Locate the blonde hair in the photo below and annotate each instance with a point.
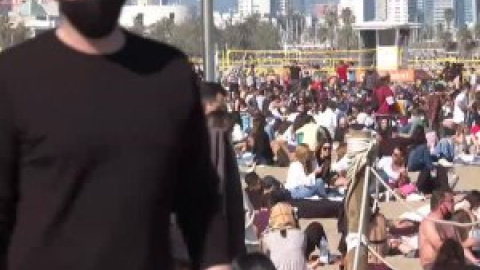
(282, 217)
(304, 156)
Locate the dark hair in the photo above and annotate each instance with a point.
(437, 197)
(269, 182)
(418, 136)
(450, 252)
(278, 196)
(473, 198)
(253, 261)
(251, 179)
(301, 120)
(401, 149)
(258, 126)
(221, 120)
(462, 216)
(210, 90)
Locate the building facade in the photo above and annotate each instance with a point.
(381, 10)
(397, 11)
(439, 7)
(154, 13)
(283, 7)
(250, 7)
(363, 10)
(466, 13)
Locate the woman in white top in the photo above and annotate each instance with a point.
(302, 179)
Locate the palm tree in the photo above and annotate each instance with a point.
(138, 25)
(331, 19)
(347, 33)
(162, 30)
(449, 15)
(347, 16)
(319, 33)
(447, 40)
(464, 39)
(439, 30)
(476, 31)
(20, 33)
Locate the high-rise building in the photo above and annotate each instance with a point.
(283, 7)
(460, 8)
(413, 14)
(250, 7)
(369, 9)
(398, 11)
(439, 7)
(316, 7)
(381, 11)
(298, 6)
(465, 12)
(428, 6)
(363, 10)
(421, 11)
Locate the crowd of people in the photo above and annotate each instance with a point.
(301, 120)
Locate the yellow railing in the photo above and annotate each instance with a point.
(275, 59)
(265, 60)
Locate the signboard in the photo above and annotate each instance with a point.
(388, 58)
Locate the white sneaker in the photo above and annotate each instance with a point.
(453, 181)
(445, 163)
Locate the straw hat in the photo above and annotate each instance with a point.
(282, 217)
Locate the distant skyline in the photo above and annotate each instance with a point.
(227, 5)
(219, 5)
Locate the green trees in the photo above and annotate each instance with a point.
(11, 34)
(253, 34)
(347, 38)
(464, 40)
(331, 21)
(449, 15)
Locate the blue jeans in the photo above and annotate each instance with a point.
(270, 132)
(419, 159)
(302, 192)
(444, 149)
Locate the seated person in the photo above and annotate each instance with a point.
(340, 167)
(259, 142)
(255, 191)
(467, 235)
(433, 235)
(414, 122)
(302, 176)
(284, 242)
(323, 160)
(395, 172)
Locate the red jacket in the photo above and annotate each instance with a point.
(381, 94)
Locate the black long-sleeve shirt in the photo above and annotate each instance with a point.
(95, 152)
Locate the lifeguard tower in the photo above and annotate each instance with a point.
(388, 44)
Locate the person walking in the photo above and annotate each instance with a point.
(102, 137)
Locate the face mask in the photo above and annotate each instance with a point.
(92, 18)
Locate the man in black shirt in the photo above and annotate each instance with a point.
(295, 75)
(102, 136)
